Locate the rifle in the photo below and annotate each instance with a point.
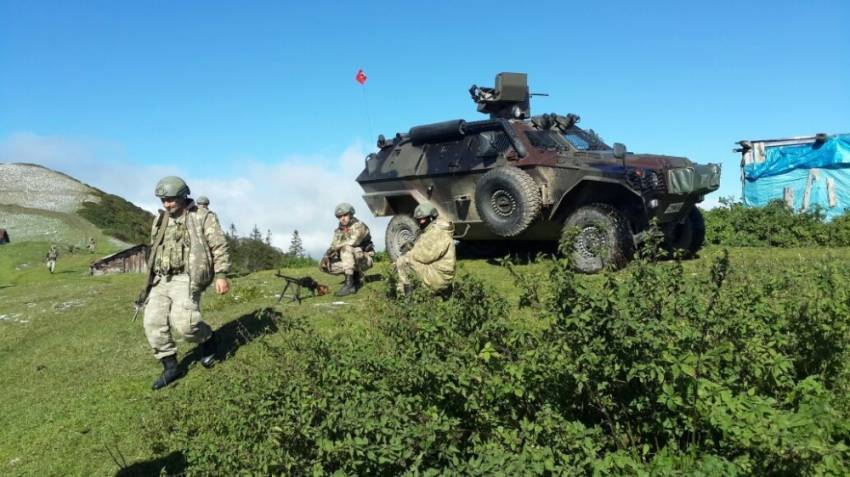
(309, 283)
(162, 222)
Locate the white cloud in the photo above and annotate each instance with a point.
(294, 193)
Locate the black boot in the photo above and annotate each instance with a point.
(348, 288)
(208, 350)
(170, 373)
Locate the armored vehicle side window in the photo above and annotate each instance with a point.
(492, 143)
(585, 140)
(547, 140)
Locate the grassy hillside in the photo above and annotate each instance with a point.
(77, 371)
(40, 204)
(118, 218)
(27, 225)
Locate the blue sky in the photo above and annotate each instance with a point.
(225, 92)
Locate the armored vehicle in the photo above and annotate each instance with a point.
(518, 177)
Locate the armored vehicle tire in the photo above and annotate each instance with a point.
(507, 200)
(402, 229)
(599, 236)
(687, 237)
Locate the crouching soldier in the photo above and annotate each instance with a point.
(432, 257)
(188, 253)
(350, 252)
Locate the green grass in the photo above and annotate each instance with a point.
(77, 371)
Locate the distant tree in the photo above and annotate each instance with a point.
(233, 231)
(296, 248)
(268, 237)
(256, 234)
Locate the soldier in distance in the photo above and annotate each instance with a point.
(351, 250)
(188, 253)
(203, 202)
(432, 257)
(52, 255)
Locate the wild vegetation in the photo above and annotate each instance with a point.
(775, 225)
(735, 363)
(651, 370)
(254, 252)
(118, 218)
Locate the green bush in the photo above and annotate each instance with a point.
(733, 224)
(646, 371)
(118, 218)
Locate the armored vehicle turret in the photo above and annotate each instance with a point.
(517, 177)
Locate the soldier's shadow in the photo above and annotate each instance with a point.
(236, 333)
(171, 464)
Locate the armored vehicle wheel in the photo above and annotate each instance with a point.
(687, 237)
(507, 200)
(401, 230)
(600, 236)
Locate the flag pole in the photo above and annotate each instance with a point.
(361, 78)
(368, 116)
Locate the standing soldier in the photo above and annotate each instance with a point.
(351, 250)
(432, 257)
(52, 255)
(92, 245)
(188, 253)
(203, 202)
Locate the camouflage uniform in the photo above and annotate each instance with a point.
(432, 258)
(52, 255)
(351, 249)
(193, 251)
(92, 245)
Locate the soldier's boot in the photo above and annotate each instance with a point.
(170, 372)
(358, 280)
(208, 350)
(349, 287)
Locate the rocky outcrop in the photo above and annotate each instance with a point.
(37, 187)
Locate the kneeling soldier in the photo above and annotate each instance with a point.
(350, 252)
(432, 257)
(188, 253)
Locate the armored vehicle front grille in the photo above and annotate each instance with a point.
(646, 181)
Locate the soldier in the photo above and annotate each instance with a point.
(432, 257)
(350, 252)
(92, 245)
(52, 255)
(203, 202)
(188, 253)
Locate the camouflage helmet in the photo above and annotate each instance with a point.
(171, 186)
(344, 208)
(202, 200)
(425, 209)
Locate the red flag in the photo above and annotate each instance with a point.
(361, 77)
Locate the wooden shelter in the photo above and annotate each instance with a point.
(129, 260)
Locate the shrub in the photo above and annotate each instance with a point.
(644, 371)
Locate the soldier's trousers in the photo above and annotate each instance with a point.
(51, 264)
(407, 268)
(351, 259)
(173, 308)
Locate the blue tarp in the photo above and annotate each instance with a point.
(801, 167)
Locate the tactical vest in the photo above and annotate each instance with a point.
(198, 263)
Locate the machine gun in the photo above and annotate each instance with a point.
(508, 100)
(316, 288)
